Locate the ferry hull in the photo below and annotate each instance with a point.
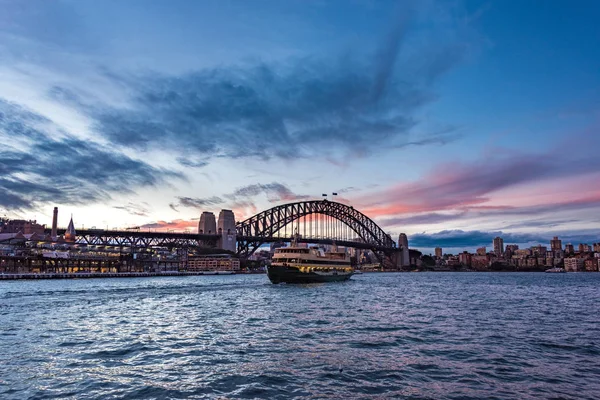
(278, 274)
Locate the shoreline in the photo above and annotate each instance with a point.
(98, 275)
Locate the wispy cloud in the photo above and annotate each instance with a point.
(176, 225)
(134, 209)
(48, 165)
(274, 191)
(526, 214)
(451, 190)
(186, 162)
(194, 202)
(286, 109)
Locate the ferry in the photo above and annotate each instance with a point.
(555, 270)
(296, 264)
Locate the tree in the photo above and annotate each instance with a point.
(428, 261)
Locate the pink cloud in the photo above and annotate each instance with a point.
(494, 183)
(176, 225)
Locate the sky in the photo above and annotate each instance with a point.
(451, 121)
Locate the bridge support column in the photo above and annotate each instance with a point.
(227, 232)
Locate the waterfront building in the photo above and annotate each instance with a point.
(207, 223)
(480, 261)
(453, 261)
(498, 246)
(539, 250)
(591, 264)
(532, 262)
(214, 262)
(584, 248)
(481, 251)
(522, 252)
(403, 243)
(574, 264)
(465, 258)
(26, 227)
(558, 254)
(556, 244)
(438, 252)
(569, 249)
(512, 247)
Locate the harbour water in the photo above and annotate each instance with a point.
(412, 335)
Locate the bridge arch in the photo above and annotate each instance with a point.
(259, 229)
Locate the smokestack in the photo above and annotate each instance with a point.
(54, 222)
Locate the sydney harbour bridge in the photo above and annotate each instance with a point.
(314, 221)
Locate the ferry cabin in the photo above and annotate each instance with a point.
(311, 259)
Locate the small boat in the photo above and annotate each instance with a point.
(555, 270)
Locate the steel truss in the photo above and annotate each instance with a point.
(140, 239)
(263, 227)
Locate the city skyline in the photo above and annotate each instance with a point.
(454, 124)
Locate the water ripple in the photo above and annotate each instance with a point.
(411, 336)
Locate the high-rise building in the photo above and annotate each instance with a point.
(438, 252)
(207, 223)
(226, 228)
(597, 247)
(498, 246)
(569, 249)
(584, 248)
(539, 250)
(555, 244)
(403, 243)
(512, 247)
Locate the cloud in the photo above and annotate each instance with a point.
(295, 107)
(274, 191)
(48, 165)
(472, 239)
(134, 209)
(194, 202)
(191, 163)
(477, 186)
(176, 225)
(423, 219)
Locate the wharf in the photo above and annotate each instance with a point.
(87, 275)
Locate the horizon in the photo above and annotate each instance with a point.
(452, 123)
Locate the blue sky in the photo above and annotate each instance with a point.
(452, 121)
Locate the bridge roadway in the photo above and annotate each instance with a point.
(130, 238)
